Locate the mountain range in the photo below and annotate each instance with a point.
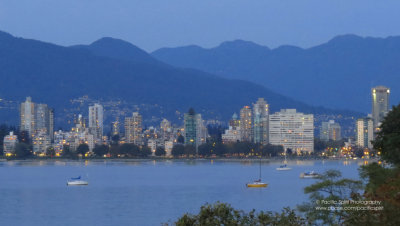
(338, 74)
(112, 69)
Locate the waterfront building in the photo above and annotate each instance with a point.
(293, 130)
(380, 104)
(231, 135)
(330, 131)
(40, 142)
(9, 143)
(27, 116)
(168, 145)
(260, 121)
(246, 127)
(133, 129)
(365, 132)
(96, 121)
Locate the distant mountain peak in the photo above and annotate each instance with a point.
(346, 38)
(112, 42)
(240, 44)
(119, 49)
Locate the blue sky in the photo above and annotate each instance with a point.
(151, 24)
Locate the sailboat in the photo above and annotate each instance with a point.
(77, 181)
(283, 167)
(257, 183)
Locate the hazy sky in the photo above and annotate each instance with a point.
(151, 24)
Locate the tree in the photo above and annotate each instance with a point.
(67, 153)
(50, 152)
(146, 151)
(82, 149)
(205, 149)
(130, 150)
(178, 150)
(181, 139)
(388, 138)
(330, 188)
(22, 150)
(101, 150)
(189, 150)
(225, 214)
(160, 151)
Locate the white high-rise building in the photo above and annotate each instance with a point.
(292, 129)
(246, 124)
(27, 116)
(380, 104)
(133, 129)
(96, 121)
(365, 132)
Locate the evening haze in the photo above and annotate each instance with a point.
(152, 24)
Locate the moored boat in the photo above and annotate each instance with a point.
(310, 174)
(77, 181)
(283, 167)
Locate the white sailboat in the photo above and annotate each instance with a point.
(76, 181)
(284, 167)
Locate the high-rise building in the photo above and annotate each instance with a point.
(96, 121)
(195, 133)
(365, 132)
(246, 126)
(44, 118)
(133, 129)
(27, 116)
(292, 129)
(260, 121)
(190, 127)
(36, 118)
(380, 104)
(166, 129)
(9, 143)
(330, 131)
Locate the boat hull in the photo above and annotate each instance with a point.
(283, 169)
(305, 176)
(77, 183)
(257, 185)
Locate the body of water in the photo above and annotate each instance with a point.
(146, 192)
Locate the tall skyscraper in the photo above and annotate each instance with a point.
(27, 116)
(380, 104)
(133, 129)
(292, 129)
(96, 121)
(36, 118)
(330, 131)
(195, 132)
(246, 125)
(166, 129)
(260, 121)
(44, 117)
(190, 125)
(365, 132)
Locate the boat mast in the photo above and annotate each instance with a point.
(260, 169)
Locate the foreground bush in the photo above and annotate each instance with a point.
(224, 214)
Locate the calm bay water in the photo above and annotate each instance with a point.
(146, 192)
